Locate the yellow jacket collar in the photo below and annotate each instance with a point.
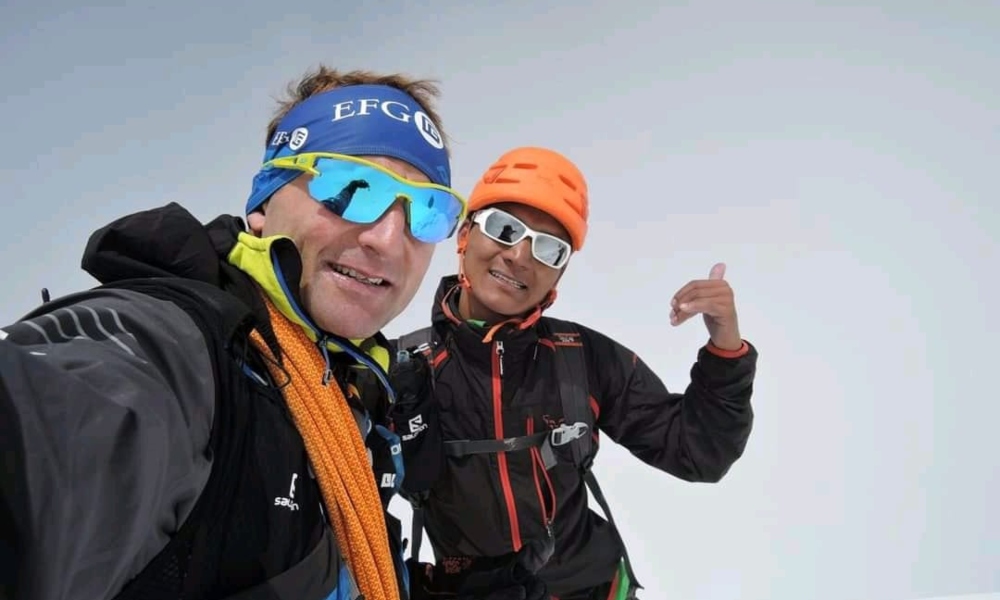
(263, 260)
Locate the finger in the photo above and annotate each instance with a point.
(697, 285)
(677, 318)
(722, 292)
(721, 295)
(718, 271)
(707, 306)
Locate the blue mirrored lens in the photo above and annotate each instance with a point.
(362, 194)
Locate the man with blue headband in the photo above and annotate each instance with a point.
(213, 420)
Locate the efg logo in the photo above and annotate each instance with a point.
(394, 110)
(427, 129)
(295, 140)
(298, 138)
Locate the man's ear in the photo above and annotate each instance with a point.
(463, 235)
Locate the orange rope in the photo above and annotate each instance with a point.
(338, 455)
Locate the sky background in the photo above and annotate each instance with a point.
(840, 157)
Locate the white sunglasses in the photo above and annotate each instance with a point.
(508, 230)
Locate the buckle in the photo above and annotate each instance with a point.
(565, 434)
(424, 348)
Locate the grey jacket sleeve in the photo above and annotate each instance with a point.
(106, 406)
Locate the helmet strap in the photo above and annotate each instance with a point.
(463, 243)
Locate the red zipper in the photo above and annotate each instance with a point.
(508, 492)
(548, 510)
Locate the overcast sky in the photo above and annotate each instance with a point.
(841, 158)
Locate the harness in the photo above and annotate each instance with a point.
(575, 431)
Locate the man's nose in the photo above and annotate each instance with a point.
(388, 234)
(519, 254)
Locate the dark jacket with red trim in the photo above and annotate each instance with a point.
(489, 504)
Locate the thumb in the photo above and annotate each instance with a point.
(718, 271)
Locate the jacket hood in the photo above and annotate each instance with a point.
(161, 242)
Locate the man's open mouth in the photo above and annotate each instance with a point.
(508, 280)
(354, 274)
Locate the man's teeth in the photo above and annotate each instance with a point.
(355, 275)
(506, 279)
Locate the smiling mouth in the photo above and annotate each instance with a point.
(508, 280)
(357, 276)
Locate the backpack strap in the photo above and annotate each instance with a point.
(571, 368)
(460, 448)
(420, 341)
(574, 390)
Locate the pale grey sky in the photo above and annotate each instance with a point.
(840, 157)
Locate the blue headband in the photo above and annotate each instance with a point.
(354, 120)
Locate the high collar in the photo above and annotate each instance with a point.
(473, 339)
(275, 265)
(170, 242)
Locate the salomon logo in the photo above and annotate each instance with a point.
(289, 502)
(416, 426)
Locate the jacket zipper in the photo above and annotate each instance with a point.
(508, 492)
(548, 510)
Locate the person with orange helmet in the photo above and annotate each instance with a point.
(500, 407)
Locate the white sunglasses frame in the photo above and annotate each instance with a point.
(480, 216)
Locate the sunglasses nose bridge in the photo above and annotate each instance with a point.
(407, 204)
(521, 251)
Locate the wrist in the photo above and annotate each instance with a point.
(728, 349)
(729, 341)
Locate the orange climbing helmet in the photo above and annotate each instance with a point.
(541, 178)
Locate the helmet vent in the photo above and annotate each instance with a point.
(568, 183)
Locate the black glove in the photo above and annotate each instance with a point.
(415, 420)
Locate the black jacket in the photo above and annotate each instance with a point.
(141, 458)
(489, 504)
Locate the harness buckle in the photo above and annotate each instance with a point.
(565, 434)
(407, 354)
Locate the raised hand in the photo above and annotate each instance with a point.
(713, 299)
